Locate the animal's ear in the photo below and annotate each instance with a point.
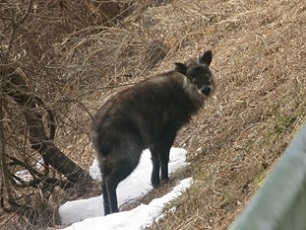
(206, 58)
(181, 68)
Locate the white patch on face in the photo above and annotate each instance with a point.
(192, 90)
(196, 93)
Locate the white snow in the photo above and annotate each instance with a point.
(88, 214)
(25, 175)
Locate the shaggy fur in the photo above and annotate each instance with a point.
(147, 115)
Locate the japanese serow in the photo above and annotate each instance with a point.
(148, 115)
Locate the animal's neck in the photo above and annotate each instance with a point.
(197, 98)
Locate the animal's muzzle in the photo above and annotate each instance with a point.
(206, 90)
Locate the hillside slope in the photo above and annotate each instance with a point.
(259, 50)
(260, 63)
(259, 59)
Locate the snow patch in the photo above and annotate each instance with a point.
(90, 211)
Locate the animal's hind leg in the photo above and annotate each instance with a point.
(105, 198)
(119, 173)
(105, 170)
(121, 161)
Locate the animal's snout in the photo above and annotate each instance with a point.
(206, 90)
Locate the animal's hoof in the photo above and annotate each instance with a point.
(155, 184)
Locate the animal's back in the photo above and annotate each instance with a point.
(143, 111)
(148, 114)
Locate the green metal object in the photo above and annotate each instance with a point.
(280, 204)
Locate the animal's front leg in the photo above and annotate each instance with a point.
(163, 150)
(156, 167)
(164, 159)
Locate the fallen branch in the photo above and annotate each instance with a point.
(15, 87)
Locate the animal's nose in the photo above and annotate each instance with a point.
(206, 90)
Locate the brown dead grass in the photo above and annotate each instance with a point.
(259, 50)
(259, 60)
(260, 104)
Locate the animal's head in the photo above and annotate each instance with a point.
(198, 75)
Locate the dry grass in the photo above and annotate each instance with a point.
(259, 52)
(260, 66)
(259, 60)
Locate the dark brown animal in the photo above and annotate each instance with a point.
(147, 115)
